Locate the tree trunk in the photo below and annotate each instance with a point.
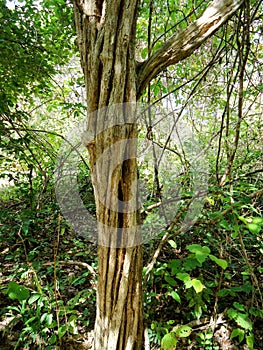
(106, 35)
(106, 42)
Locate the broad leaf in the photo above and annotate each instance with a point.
(171, 281)
(250, 341)
(238, 332)
(183, 331)
(197, 285)
(61, 331)
(201, 253)
(172, 243)
(169, 342)
(34, 297)
(254, 228)
(15, 291)
(221, 262)
(183, 276)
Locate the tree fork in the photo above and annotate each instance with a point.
(106, 38)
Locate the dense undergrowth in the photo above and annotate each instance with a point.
(203, 292)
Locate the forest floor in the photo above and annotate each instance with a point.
(62, 269)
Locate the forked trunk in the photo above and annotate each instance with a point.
(106, 43)
(106, 34)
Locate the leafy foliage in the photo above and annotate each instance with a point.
(33, 44)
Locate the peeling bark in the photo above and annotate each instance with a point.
(182, 44)
(106, 32)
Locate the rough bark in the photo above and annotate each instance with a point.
(106, 35)
(106, 32)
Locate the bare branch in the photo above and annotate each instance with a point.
(73, 263)
(184, 43)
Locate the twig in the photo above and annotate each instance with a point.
(166, 236)
(72, 262)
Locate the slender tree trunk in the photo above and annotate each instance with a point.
(106, 42)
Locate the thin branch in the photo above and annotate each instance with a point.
(73, 263)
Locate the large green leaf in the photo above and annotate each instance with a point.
(238, 332)
(200, 252)
(241, 319)
(17, 292)
(197, 285)
(254, 228)
(221, 262)
(183, 276)
(183, 331)
(169, 342)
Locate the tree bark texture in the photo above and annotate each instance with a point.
(106, 37)
(106, 34)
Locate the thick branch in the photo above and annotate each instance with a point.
(184, 43)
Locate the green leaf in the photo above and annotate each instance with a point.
(232, 313)
(183, 276)
(238, 306)
(243, 321)
(53, 339)
(221, 262)
(254, 228)
(200, 252)
(210, 200)
(176, 296)
(188, 284)
(49, 319)
(62, 331)
(198, 285)
(169, 342)
(72, 324)
(183, 331)
(15, 291)
(34, 297)
(30, 320)
(241, 218)
(190, 263)
(172, 243)
(250, 341)
(175, 266)
(237, 332)
(171, 281)
(257, 220)
(43, 317)
(144, 53)
(224, 292)
(197, 248)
